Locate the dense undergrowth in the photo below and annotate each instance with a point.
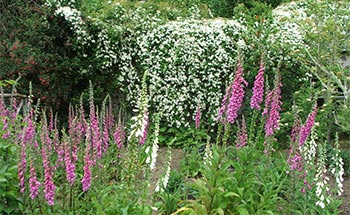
(255, 94)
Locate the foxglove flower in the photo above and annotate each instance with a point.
(309, 148)
(242, 137)
(224, 102)
(144, 129)
(163, 181)
(140, 126)
(118, 136)
(337, 167)
(70, 166)
(22, 163)
(45, 136)
(86, 180)
(110, 116)
(258, 89)
(49, 186)
(105, 130)
(295, 131)
(94, 128)
(306, 129)
(273, 115)
(208, 155)
(321, 178)
(34, 184)
(295, 161)
(152, 155)
(237, 94)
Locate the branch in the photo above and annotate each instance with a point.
(324, 69)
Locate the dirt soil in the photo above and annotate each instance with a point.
(345, 208)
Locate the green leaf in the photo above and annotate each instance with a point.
(230, 194)
(219, 211)
(242, 211)
(3, 169)
(240, 191)
(269, 212)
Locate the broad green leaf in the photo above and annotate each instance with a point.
(242, 211)
(240, 191)
(3, 169)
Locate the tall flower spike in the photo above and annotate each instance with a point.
(163, 181)
(273, 108)
(321, 178)
(242, 137)
(110, 116)
(22, 164)
(49, 186)
(34, 184)
(337, 166)
(94, 128)
(223, 107)
(295, 131)
(69, 164)
(119, 136)
(144, 128)
(258, 89)
(105, 126)
(140, 126)
(152, 151)
(86, 180)
(237, 94)
(208, 155)
(305, 130)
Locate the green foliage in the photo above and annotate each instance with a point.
(236, 182)
(9, 190)
(171, 198)
(38, 47)
(326, 30)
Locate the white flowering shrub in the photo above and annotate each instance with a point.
(188, 63)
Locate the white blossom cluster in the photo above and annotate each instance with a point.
(308, 150)
(73, 16)
(140, 120)
(163, 181)
(321, 178)
(152, 151)
(337, 167)
(188, 62)
(208, 155)
(294, 19)
(107, 51)
(59, 3)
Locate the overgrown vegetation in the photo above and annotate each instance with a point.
(255, 94)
